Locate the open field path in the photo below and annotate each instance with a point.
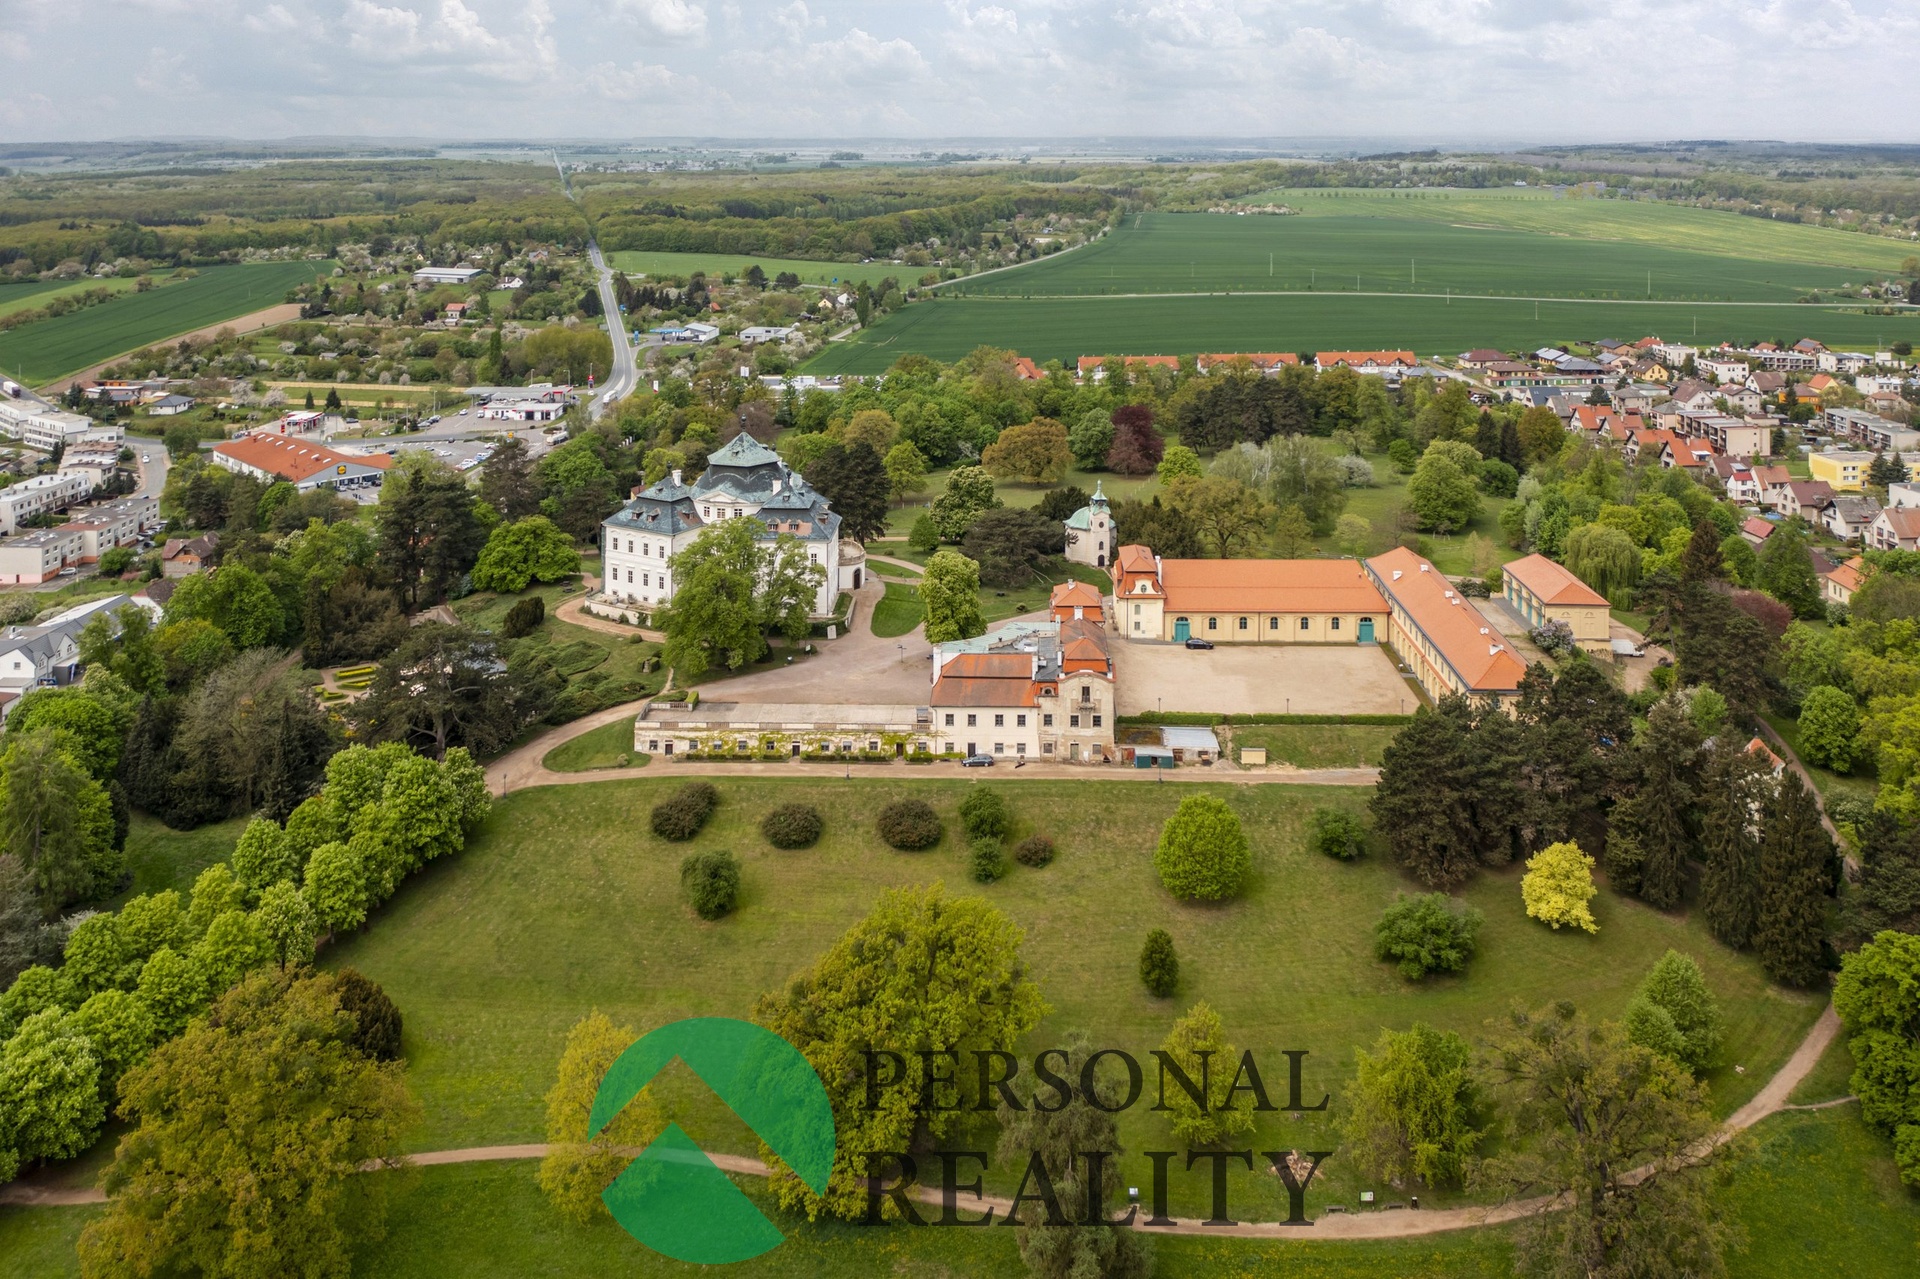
(1382, 1224)
(281, 313)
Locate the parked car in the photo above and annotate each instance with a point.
(977, 761)
(143, 457)
(1197, 642)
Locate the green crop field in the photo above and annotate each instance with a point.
(1212, 253)
(49, 349)
(25, 297)
(1065, 328)
(1433, 272)
(717, 264)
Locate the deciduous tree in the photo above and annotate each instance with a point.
(950, 590)
(1409, 1107)
(532, 549)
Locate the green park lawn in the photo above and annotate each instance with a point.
(563, 903)
(898, 611)
(161, 858)
(1317, 745)
(48, 349)
(608, 746)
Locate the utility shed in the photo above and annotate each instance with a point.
(1151, 756)
(1191, 743)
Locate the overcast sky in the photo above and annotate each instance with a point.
(1441, 70)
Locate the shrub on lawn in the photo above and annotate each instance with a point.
(983, 814)
(909, 825)
(712, 881)
(1034, 850)
(524, 617)
(1338, 834)
(988, 861)
(681, 815)
(792, 826)
(1426, 936)
(1159, 966)
(376, 1021)
(1203, 852)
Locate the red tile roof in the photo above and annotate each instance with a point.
(1262, 360)
(986, 679)
(1088, 363)
(1268, 586)
(1758, 529)
(1326, 359)
(294, 460)
(1451, 624)
(1551, 582)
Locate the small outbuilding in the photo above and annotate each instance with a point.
(1189, 744)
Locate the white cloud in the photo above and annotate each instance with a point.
(1440, 70)
(668, 19)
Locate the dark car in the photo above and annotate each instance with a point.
(1197, 642)
(977, 761)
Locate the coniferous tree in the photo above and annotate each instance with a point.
(1577, 727)
(1648, 846)
(1423, 803)
(854, 481)
(1733, 792)
(1796, 877)
(1702, 560)
(1889, 895)
(1786, 573)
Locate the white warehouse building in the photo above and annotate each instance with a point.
(743, 479)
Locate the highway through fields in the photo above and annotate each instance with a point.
(620, 382)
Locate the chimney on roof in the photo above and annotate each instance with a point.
(1426, 568)
(676, 477)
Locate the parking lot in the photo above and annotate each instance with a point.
(1260, 679)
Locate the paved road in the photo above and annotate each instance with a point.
(621, 381)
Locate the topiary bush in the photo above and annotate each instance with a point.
(1203, 853)
(909, 825)
(1338, 834)
(1159, 966)
(524, 617)
(988, 860)
(792, 826)
(712, 881)
(1034, 850)
(680, 816)
(983, 814)
(1424, 935)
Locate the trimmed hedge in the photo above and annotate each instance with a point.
(792, 826)
(680, 816)
(909, 825)
(1034, 850)
(712, 881)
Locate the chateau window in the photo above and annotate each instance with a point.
(1334, 624)
(1073, 721)
(1020, 721)
(949, 720)
(973, 721)
(1273, 623)
(999, 721)
(1213, 623)
(1046, 721)
(1243, 623)
(1304, 625)
(1096, 721)
(1046, 748)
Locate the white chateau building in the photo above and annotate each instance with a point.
(743, 479)
(1090, 532)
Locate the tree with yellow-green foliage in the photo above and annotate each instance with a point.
(1198, 1045)
(1558, 885)
(1034, 453)
(577, 1170)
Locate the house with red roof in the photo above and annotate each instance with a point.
(1245, 601)
(1446, 642)
(268, 457)
(1030, 690)
(1367, 361)
(1543, 591)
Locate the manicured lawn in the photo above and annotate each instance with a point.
(608, 746)
(161, 858)
(564, 903)
(606, 665)
(1820, 1196)
(51, 348)
(1116, 488)
(898, 611)
(1317, 745)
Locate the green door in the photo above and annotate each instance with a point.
(1366, 630)
(1181, 631)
